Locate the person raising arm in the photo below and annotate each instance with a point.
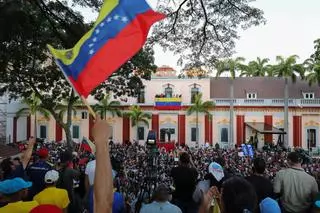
(103, 187)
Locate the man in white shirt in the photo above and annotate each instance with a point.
(161, 203)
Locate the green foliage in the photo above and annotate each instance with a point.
(312, 65)
(199, 106)
(137, 116)
(258, 68)
(34, 106)
(231, 66)
(288, 68)
(105, 106)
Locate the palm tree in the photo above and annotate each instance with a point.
(137, 116)
(287, 68)
(258, 68)
(313, 67)
(105, 106)
(62, 108)
(34, 106)
(200, 107)
(231, 66)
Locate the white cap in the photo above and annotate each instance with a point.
(51, 176)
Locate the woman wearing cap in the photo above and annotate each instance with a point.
(51, 194)
(14, 191)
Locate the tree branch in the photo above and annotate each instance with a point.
(176, 13)
(238, 8)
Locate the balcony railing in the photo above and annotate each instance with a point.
(269, 102)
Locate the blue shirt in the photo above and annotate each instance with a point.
(160, 207)
(18, 172)
(117, 205)
(36, 173)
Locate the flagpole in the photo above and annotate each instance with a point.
(84, 100)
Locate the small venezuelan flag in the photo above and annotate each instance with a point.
(118, 34)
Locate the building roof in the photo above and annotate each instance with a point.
(264, 87)
(165, 68)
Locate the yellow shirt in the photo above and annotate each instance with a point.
(19, 207)
(53, 196)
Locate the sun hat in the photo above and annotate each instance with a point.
(14, 185)
(216, 170)
(269, 205)
(51, 176)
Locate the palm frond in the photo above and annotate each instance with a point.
(22, 111)
(145, 121)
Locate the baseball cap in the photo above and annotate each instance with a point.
(43, 153)
(216, 170)
(14, 185)
(51, 176)
(46, 208)
(269, 205)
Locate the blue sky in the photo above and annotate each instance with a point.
(291, 28)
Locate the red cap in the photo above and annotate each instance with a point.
(43, 153)
(46, 209)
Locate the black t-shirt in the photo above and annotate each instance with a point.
(185, 180)
(262, 185)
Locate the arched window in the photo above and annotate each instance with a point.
(194, 91)
(141, 96)
(168, 92)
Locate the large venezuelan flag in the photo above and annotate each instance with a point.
(168, 103)
(119, 32)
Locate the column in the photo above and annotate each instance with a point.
(91, 123)
(182, 129)
(125, 129)
(240, 130)
(268, 120)
(208, 129)
(58, 132)
(297, 131)
(28, 127)
(14, 132)
(155, 125)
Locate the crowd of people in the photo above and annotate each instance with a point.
(50, 178)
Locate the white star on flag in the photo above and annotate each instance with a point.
(97, 31)
(102, 24)
(91, 45)
(124, 19)
(91, 52)
(94, 39)
(116, 17)
(109, 19)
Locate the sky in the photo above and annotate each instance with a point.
(291, 28)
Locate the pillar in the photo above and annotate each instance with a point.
(241, 137)
(182, 129)
(268, 120)
(297, 129)
(155, 124)
(91, 123)
(125, 129)
(14, 132)
(58, 132)
(208, 129)
(28, 127)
